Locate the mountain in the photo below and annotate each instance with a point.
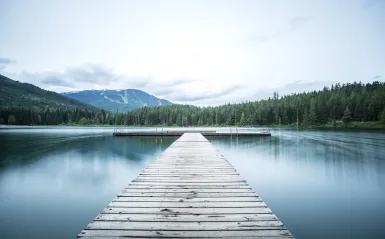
(24, 95)
(113, 100)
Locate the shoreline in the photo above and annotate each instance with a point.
(339, 125)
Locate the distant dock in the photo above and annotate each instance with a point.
(189, 191)
(176, 133)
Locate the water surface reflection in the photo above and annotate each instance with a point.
(55, 184)
(321, 184)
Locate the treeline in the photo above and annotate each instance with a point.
(346, 102)
(52, 116)
(340, 102)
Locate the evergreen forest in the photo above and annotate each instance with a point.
(339, 103)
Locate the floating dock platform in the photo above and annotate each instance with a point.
(173, 133)
(189, 191)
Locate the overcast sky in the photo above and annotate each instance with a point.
(196, 52)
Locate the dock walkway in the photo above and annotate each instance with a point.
(189, 191)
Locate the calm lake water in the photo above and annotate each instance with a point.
(321, 184)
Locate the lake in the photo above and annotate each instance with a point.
(321, 184)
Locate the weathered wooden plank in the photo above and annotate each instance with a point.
(188, 152)
(156, 175)
(166, 175)
(193, 159)
(191, 175)
(186, 195)
(187, 168)
(191, 178)
(186, 218)
(190, 183)
(184, 199)
(189, 145)
(194, 162)
(187, 187)
(260, 210)
(190, 172)
(201, 169)
(191, 162)
(185, 226)
(187, 204)
(190, 166)
(172, 152)
(192, 169)
(191, 191)
(187, 234)
(222, 237)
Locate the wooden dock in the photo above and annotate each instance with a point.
(172, 133)
(189, 191)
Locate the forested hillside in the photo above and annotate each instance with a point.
(346, 102)
(27, 104)
(339, 103)
(18, 94)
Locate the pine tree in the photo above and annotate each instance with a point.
(242, 120)
(383, 116)
(11, 119)
(178, 120)
(305, 120)
(194, 120)
(38, 119)
(347, 117)
(359, 110)
(83, 121)
(313, 112)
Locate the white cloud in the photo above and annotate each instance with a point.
(192, 50)
(4, 62)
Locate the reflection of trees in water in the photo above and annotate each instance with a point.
(339, 156)
(239, 142)
(27, 148)
(134, 148)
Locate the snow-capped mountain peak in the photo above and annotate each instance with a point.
(122, 100)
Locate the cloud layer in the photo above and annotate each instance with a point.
(298, 22)
(93, 76)
(371, 3)
(4, 62)
(90, 76)
(198, 52)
